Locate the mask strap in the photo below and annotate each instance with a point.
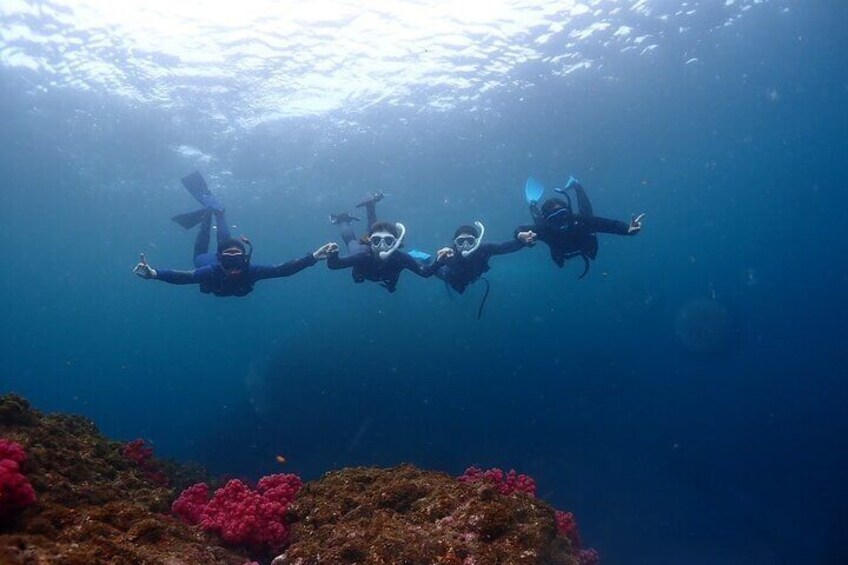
(480, 231)
(401, 232)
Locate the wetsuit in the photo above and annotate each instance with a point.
(384, 271)
(214, 279)
(366, 266)
(459, 271)
(575, 237)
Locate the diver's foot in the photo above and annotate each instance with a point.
(373, 199)
(342, 218)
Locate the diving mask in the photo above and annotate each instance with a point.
(382, 241)
(233, 259)
(465, 241)
(558, 217)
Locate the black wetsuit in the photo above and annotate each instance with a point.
(459, 271)
(366, 266)
(384, 271)
(214, 279)
(575, 237)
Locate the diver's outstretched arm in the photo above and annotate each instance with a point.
(596, 224)
(260, 272)
(522, 239)
(336, 262)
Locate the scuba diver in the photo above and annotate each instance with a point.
(376, 256)
(228, 272)
(570, 234)
(468, 258)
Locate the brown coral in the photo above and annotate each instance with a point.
(94, 506)
(407, 516)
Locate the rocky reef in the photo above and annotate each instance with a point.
(99, 501)
(93, 504)
(405, 515)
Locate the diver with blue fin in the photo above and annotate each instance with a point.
(567, 233)
(376, 256)
(228, 272)
(467, 260)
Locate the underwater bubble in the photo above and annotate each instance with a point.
(703, 326)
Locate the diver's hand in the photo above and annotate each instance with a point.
(635, 224)
(326, 250)
(443, 253)
(144, 270)
(528, 238)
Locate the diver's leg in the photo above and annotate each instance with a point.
(221, 227)
(371, 211)
(370, 205)
(201, 243)
(349, 238)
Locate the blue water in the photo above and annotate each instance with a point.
(725, 122)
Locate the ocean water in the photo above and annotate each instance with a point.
(685, 400)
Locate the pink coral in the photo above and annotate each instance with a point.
(506, 483)
(16, 492)
(241, 515)
(12, 450)
(142, 455)
(191, 502)
(567, 527)
(588, 557)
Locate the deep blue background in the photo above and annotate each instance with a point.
(665, 456)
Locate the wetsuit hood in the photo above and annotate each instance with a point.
(235, 262)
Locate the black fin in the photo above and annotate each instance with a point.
(196, 186)
(195, 183)
(191, 219)
(584, 207)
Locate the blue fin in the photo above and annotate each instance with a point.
(196, 186)
(191, 219)
(533, 191)
(419, 255)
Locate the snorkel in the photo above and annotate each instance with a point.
(480, 231)
(401, 233)
(248, 248)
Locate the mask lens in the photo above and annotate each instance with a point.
(233, 260)
(465, 241)
(557, 217)
(382, 241)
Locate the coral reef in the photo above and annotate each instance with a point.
(94, 506)
(141, 454)
(405, 515)
(96, 501)
(506, 483)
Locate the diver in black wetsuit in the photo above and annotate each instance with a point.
(376, 256)
(468, 258)
(570, 234)
(229, 271)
